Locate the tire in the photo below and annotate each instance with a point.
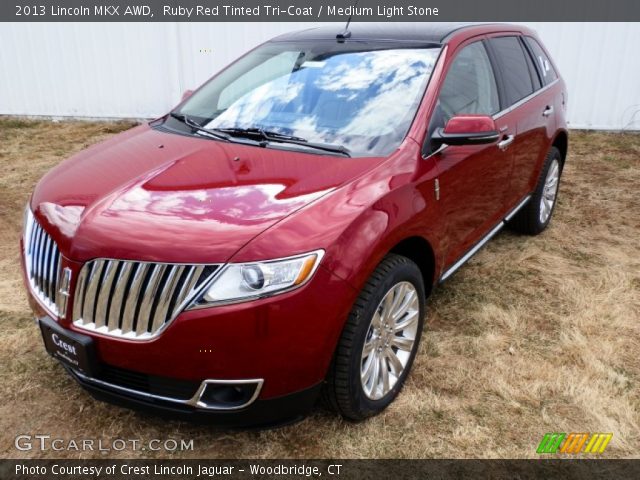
(535, 216)
(344, 390)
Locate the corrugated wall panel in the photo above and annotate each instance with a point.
(601, 64)
(140, 70)
(96, 70)
(210, 47)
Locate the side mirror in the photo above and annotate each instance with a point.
(186, 94)
(466, 130)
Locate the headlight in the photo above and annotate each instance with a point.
(246, 281)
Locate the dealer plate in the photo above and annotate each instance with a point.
(74, 350)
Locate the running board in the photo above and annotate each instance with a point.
(483, 241)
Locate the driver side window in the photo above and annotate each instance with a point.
(469, 87)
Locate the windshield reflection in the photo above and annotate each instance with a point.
(363, 100)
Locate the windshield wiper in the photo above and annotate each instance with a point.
(196, 126)
(259, 132)
(270, 136)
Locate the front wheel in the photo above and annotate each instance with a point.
(379, 341)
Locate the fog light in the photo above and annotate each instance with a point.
(229, 395)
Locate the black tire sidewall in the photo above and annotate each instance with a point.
(527, 220)
(406, 271)
(554, 154)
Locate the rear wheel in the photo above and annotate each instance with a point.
(379, 341)
(535, 216)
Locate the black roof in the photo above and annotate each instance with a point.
(411, 32)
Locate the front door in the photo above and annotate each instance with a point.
(473, 179)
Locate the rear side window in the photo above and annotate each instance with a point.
(542, 60)
(516, 75)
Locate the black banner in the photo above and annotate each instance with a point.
(302, 469)
(317, 10)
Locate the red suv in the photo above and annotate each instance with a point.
(275, 236)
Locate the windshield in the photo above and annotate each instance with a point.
(358, 95)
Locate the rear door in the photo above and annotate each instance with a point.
(530, 112)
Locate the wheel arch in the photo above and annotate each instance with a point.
(561, 142)
(380, 232)
(419, 250)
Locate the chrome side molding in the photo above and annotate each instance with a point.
(483, 241)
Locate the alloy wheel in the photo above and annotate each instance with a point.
(390, 340)
(549, 191)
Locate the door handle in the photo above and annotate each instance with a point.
(508, 140)
(547, 111)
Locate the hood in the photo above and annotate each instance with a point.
(157, 196)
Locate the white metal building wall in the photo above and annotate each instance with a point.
(138, 70)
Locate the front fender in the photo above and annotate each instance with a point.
(359, 223)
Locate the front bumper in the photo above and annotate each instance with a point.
(287, 341)
(261, 413)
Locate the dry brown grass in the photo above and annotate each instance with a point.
(533, 335)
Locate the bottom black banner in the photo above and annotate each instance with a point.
(302, 469)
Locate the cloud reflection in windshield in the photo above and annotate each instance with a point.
(362, 100)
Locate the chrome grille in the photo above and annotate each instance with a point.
(42, 261)
(135, 300)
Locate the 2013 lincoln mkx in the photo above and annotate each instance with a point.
(274, 238)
